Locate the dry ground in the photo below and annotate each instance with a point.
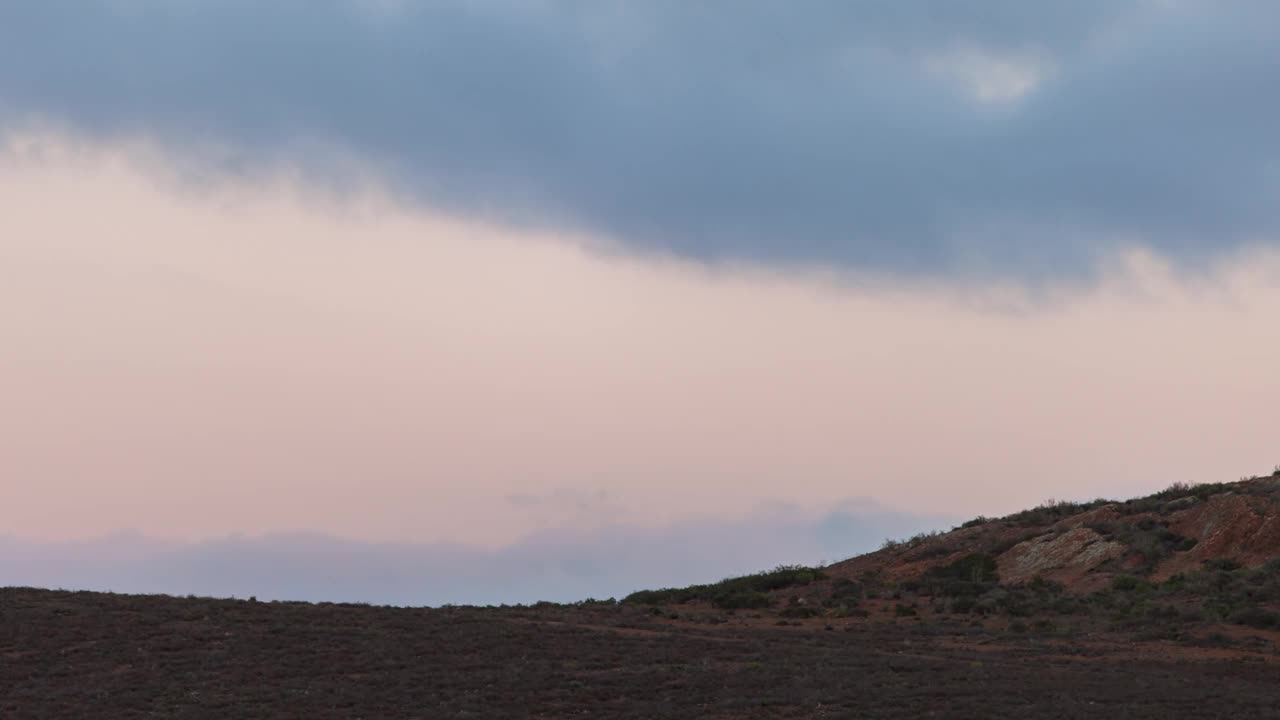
(76, 655)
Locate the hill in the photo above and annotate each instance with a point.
(1167, 564)
(1086, 546)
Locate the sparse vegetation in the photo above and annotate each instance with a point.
(1149, 538)
(910, 543)
(1177, 496)
(845, 593)
(1218, 592)
(1051, 511)
(739, 593)
(900, 610)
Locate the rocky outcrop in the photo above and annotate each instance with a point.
(1063, 557)
(1239, 522)
(1230, 526)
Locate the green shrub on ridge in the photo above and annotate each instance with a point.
(745, 592)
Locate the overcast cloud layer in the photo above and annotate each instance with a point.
(1004, 136)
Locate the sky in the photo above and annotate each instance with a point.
(506, 301)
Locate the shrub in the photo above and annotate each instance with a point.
(936, 550)
(1125, 583)
(1180, 489)
(974, 567)
(1217, 639)
(968, 576)
(845, 591)
(845, 611)
(1147, 537)
(1256, 617)
(798, 611)
(873, 583)
(920, 538)
(746, 592)
(1000, 548)
(1051, 511)
(742, 600)
(1044, 625)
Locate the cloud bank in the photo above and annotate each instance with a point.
(558, 565)
(1004, 139)
(264, 356)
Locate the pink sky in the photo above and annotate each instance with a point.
(195, 359)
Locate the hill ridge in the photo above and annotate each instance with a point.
(1083, 545)
(1189, 555)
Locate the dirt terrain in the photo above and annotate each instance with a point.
(1160, 607)
(75, 655)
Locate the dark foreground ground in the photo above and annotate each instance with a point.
(77, 655)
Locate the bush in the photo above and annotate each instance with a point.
(1044, 625)
(1000, 548)
(1256, 617)
(968, 576)
(1125, 583)
(845, 592)
(798, 611)
(844, 611)
(1051, 511)
(974, 567)
(1147, 537)
(746, 592)
(933, 551)
(742, 600)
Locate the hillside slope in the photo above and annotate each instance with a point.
(1084, 546)
(1176, 564)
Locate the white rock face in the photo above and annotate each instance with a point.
(1076, 551)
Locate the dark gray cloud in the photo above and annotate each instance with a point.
(561, 566)
(780, 132)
